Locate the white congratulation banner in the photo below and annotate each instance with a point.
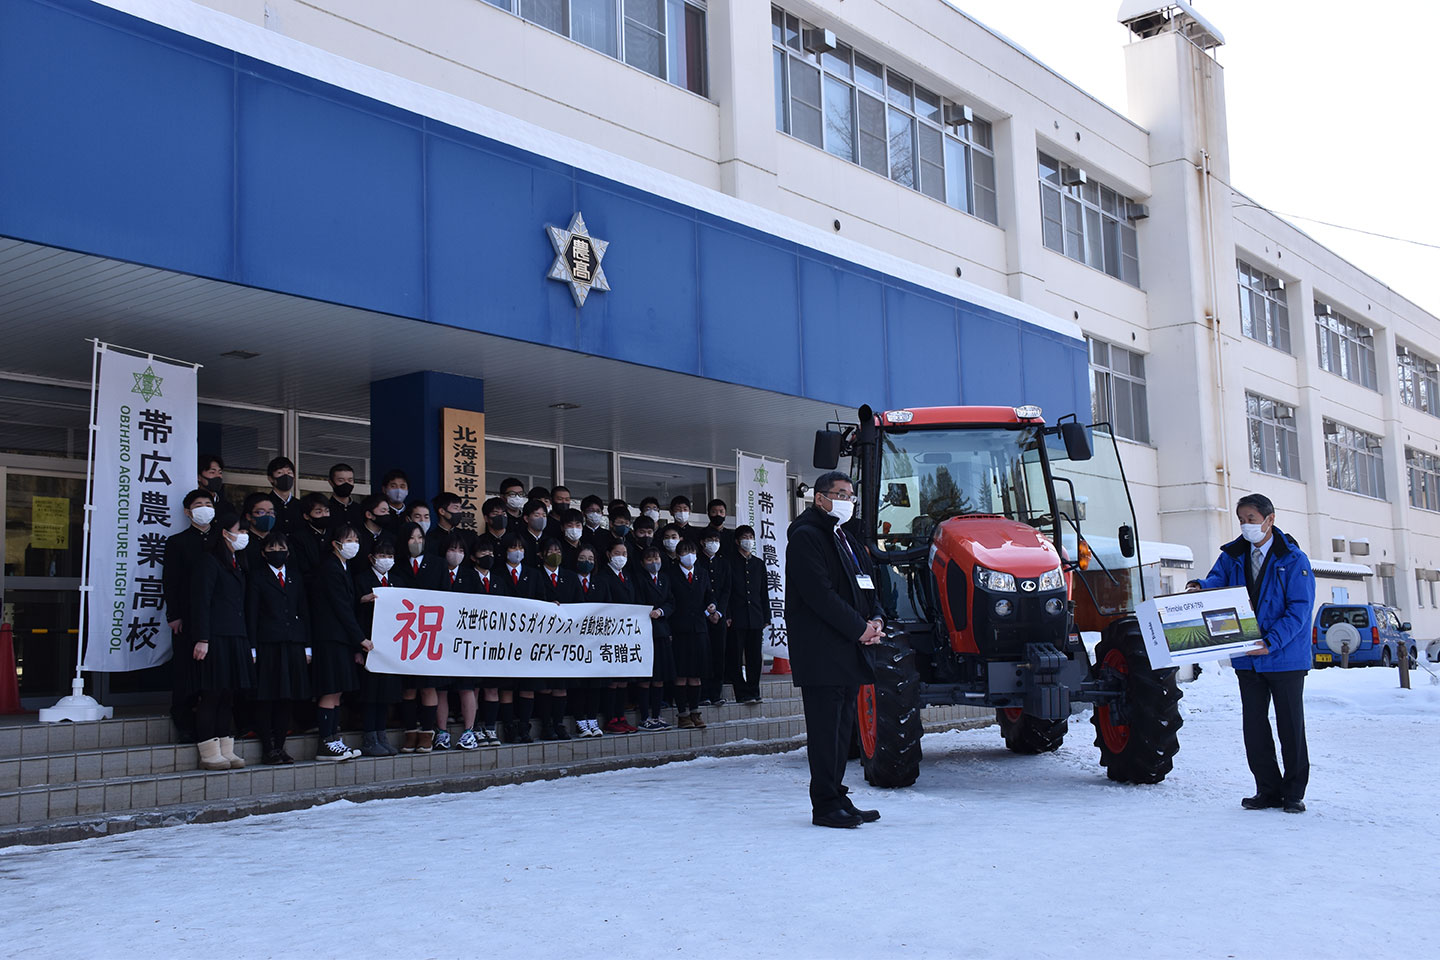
(435, 633)
(762, 501)
(144, 464)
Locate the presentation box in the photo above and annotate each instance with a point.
(1194, 627)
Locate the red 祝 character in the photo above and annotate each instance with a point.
(428, 635)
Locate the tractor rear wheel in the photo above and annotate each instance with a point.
(1027, 734)
(888, 717)
(1137, 734)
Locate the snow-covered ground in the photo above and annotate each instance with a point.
(988, 855)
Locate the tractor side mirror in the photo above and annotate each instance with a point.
(1127, 541)
(1077, 441)
(827, 449)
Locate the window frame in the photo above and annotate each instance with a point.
(1419, 380)
(1086, 215)
(1349, 449)
(1423, 466)
(1103, 398)
(1343, 343)
(1277, 437)
(1273, 305)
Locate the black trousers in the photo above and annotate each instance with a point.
(1287, 689)
(719, 672)
(829, 723)
(749, 661)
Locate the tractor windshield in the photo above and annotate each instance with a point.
(927, 476)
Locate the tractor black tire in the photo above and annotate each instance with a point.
(1029, 735)
(888, 719)
(1142, 750)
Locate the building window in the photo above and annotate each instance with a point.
(1422, 474)
(1419, 381)
(1274, 440)
(1263, 313)
(860, 110)
(1419, 589)
(1354, 461)
(1088, 221)
(1345, 348)
(1117, 390)
(1387, 592)
(665, 38)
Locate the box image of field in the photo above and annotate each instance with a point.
(1193, 634)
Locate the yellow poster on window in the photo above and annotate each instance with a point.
(50, 523)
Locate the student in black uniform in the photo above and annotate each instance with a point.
(540, 493)
(572, 537)
(717, 566)
(669, 538)
(748, 614)
(536, 516)
(281, 471)
(308, 544)
(418, 696)
(650, 507)
(258, 512)
(339, 640)
(376, 510)
(418, 513)
(592, 510)
(642, 538)
(680, 517)
(512, 492)
(220, 661)
(556, 585)
(589, 696)
(493, 524)
(395, 488)
(453, 575)
(653, 589)
(447, 508)
(377, 690)
(621, 589)
(695, 611)
(278, 616)
(519, 579)
(602, 537)
(210, 476)
(559, 504)
(482, 559)
(183, 552)
(343, 503)
(719, 512)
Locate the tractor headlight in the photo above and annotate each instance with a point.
(1052, 580)
(1003, 608)
(993, 580)
(1054, 605)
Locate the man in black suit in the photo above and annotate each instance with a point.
(183, 553)
(344, 505)
(832, 614)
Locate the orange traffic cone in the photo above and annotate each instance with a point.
(779, 666)
(9, 680)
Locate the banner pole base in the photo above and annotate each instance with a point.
(77, 706)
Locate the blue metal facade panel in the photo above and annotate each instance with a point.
(135, 142)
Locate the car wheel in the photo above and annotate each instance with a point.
(1385, 657)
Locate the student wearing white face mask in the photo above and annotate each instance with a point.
(719, 669)
(454, 575)
(748, 614)
(413, 568)
(220, 662)
(339, 642)
(680, 517)
(512, 494)
(183, 552)
(377, 690)
(571, 537)
(615, 575)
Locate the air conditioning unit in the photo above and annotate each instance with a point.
(819, 40)
(1384, 569)
(1431, 576)
(1360, 548)
(1137, 211)
(1323, 310)
(1337, 544)
(1283, 412)
(1274, 285)
(1073, 177)
(958, 115)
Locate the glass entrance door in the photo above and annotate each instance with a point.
(44, 524)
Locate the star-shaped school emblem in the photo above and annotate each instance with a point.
(762, 476)
(577, 259)
(147, 384)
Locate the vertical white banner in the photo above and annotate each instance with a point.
(762, 501)
(144, 464)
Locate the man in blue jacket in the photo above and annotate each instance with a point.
(1276, 572)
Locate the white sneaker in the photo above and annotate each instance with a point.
(595, 730)
(335, 750)
(488, 738)
(586, 730)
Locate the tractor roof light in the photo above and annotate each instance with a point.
(1028, 412)
(899, 416)
(1085, 554)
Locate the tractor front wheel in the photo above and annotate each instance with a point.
(1137, 733)
(888, 717)
(1030, 735)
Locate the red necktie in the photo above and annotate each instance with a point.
(622, 578)
(585, 584)
(515, 577)
(554, 580)
(281, 575)
(415, 565)
(384, 582)
(485, 584)
(689, 578)
(452, 578)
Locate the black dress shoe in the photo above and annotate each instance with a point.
(836, 818)
(1294, 806)
(1260, 802)
(866, 816)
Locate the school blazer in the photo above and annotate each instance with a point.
(527, 587)
(749, 593)
(692, 596)
(333, 606)
(403, 575)
(619, 591)
(466, 579)
(599, 589)
(276, 614)
(183, 553)
(565, 589)
(657, 596)
(217, 604)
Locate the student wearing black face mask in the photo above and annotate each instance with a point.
(414, 569)
(445, 512)
(653, 589)
(641, 538)
(307, 538)
(590, 697)
(493, 524)
(258, 511)
(556, 585)
(492, 689)
(210, 476)
(344, 505)
(378, 521)
(719, 513)
(281, 472)
(277, 613)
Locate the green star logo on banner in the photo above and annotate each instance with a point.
(762, 475)
(148, 385)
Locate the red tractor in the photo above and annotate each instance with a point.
(988, 584)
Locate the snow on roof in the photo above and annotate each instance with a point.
(1343, 571)
(252, 40)
(1135, 9)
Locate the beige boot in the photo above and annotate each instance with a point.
(210, 758)
(227, 750)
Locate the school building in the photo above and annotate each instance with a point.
(355, 213)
